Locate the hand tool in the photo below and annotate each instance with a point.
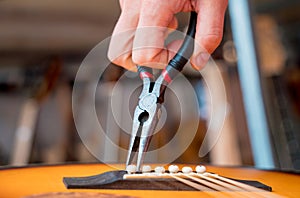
(148, 110)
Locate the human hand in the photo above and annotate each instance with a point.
(139, 35)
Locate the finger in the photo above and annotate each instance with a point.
(148, 45)
(209, 31)
(121, 2)
(173, 48)
(120, 48)
(172, 26)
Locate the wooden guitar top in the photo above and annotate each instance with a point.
(46, 181)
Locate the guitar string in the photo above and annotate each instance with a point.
(219, 187)
(207, 183)
(228, 184)
(189, 183)
(224, 188)
(257, 191)
(239, 192)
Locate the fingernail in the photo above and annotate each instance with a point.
(201, 59)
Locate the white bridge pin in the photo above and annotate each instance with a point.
(159, 169)
(186, 170)
(131, 169)
(173, 168)
(200, 169)
(146, 169)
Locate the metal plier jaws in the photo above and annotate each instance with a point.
(145, 119)
(148, 110)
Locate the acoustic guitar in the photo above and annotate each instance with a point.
(47, 181)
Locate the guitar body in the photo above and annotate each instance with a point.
(47, 181)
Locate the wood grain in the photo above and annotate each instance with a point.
(37, 180)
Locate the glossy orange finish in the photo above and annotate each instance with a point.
(19, 182)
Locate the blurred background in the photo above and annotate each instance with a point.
(42, 45)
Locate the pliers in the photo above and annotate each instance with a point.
(148, 110)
